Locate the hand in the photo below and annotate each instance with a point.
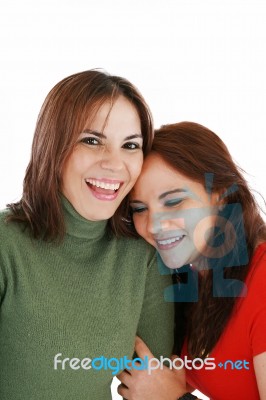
(158, 384)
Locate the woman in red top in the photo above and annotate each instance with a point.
(193, 204)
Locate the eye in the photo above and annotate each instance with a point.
(131, 146)
(138, 209)
(92, 141)
(173, 202)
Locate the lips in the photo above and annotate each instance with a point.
(168, 243)
(104, 189)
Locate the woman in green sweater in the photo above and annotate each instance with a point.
(74, 289)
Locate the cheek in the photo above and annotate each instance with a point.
(74, 169)
(172, 224)
(203, 231)
(73, 164)
(66, 174)
(140, 226)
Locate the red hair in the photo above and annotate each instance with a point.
(194, 150)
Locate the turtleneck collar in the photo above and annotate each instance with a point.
(80, 227)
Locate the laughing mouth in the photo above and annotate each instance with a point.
(104, 189)
(111, 187)
(169, 242)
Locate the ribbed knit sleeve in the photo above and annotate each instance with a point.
(156, 325)
(2, 282)
(3, 277)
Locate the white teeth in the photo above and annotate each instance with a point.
(104, 185)
(169, 241)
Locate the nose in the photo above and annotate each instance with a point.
(163, 222)
(153, 225)
(111, 159)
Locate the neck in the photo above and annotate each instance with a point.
(78, 226)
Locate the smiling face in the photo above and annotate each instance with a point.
(172, 212)
(106, 161)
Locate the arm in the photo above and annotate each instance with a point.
(156, 328)
(2, 280)
(156, 324)
(260, 372)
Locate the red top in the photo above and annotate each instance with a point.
(243, 338)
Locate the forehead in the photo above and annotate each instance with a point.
(157, 176)
(113, 114)
(155, 167)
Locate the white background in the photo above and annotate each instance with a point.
(197, 60)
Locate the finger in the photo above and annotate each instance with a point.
(180, 377)
(136, 368)
(177, 362)
(179, 371)
(123, 391)
(125, 378)
(124, 371)
(173, 357)
(142, 349)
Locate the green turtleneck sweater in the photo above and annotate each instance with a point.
(84, 298)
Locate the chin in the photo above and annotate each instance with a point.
(96, 216)
(103, 216)
(168, 262)
(174, 263)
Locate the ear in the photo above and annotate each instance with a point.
(218, 199)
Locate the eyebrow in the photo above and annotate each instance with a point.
(102, 136)
(163, 195)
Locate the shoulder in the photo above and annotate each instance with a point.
(257, 273)
(5, 227)
(3, 214)
(255, 297)
(137, 248)
(11, 233)
(256, 300)
(6, 243)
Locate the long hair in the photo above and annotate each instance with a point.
(195, 151)
(66, 109)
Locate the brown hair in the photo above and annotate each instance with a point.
(62, 117)
(194, 150)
